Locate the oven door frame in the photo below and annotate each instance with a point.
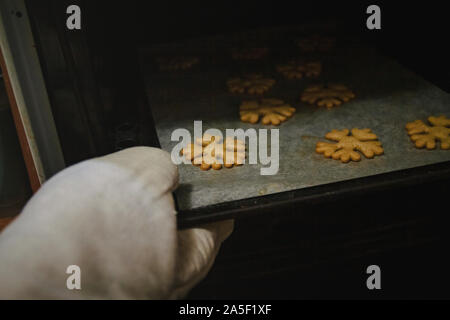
(27, 94)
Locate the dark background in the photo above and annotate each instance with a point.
(414, 32)
(319, 250)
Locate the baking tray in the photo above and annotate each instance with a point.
(387, 97)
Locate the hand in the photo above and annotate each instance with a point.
(114, 217)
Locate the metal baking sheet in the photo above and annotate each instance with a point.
(387, 97)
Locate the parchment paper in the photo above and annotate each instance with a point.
(387, 97)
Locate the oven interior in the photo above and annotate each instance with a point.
(108, 94)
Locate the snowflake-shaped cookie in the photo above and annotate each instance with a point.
(426, 136)
(249, 53)
(328, 96)
(176, 63)
(214, 152)
(316, 43)
(362, 140)
(270, 111)
(298, 69)
(251, 84)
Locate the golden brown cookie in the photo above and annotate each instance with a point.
(251, 84)
(213, 152)
(269, 111)
(176, 63)
(426, 136)
(249, 53)
(328, 96)
(298, 69)
(362, 140)
(316, 43)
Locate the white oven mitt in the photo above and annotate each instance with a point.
(114, 217)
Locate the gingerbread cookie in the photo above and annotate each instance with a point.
(362, 140)
(298, 69)
(251, 84)
(328, 96)
(213, 152)
(249, 53)
(177, 63)
(316, 43)
(426, 136)
(269, 111)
